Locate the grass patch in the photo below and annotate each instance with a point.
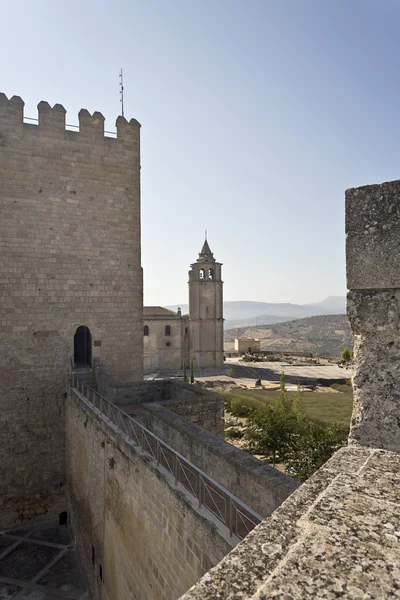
(318, 406)
(344, 388)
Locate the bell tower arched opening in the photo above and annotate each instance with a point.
(83, 347)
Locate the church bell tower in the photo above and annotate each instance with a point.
(206, 310)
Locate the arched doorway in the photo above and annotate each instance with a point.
(83, 347)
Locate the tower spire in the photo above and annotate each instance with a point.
(205, 254)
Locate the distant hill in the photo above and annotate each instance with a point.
(259, 320)
(242, 312)
(325, 335)
(332, 303)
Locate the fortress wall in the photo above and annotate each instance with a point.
(147, 538)
(69, 256)
(258, 485)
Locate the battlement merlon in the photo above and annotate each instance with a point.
(90, 126)
(372, 236)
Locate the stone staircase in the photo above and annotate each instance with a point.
(86, 375)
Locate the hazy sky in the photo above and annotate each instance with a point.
(256, 116)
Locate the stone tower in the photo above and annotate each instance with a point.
(70, 286)
(206, 310)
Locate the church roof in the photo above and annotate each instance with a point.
(157, 311)
(205, 254)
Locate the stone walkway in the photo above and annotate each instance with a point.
(40, 563)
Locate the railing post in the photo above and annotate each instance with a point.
(230, 516)
(199, 488)
(158, 453)
(176, 468)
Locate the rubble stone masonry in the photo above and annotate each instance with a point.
(373, 308)
(69, 256)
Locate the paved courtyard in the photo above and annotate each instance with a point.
(271, 371)
(40, 563)
(246, 373)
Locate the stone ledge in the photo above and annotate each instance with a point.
(372, 236)
(328, 539)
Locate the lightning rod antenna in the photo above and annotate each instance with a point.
(121, 91)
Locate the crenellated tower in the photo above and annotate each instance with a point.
(206, 310)
(71, 284)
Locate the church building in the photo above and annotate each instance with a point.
(172, 339)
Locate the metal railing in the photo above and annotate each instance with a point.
(238, 518)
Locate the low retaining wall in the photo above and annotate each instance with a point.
(138, 537)
(258, 485)
(195, 404)
(205, 410)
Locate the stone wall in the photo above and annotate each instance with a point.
(195, 404)
(69, 256)
(258, 485)
(373, 308)
(132, 526)
(206, 410)
(164, 351)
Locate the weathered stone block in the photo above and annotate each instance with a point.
(374, 318)
(373, 236)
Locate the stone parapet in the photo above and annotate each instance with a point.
(52, 120)
(336, 536)
(373, 308)
(373, 237)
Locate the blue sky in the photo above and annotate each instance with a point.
(256, 116)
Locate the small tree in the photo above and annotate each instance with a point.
(272, 429)
(269, 433)
(346, 355)
(283, 433)
(297, 404)
(192, 371)
(283, 402)
(314, 446)
(184, 372)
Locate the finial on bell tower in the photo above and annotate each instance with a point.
(205, 234)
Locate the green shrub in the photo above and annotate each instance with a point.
(232, 433)
(250, 358)
(346, 355)
(282, 433)
(238, 409)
